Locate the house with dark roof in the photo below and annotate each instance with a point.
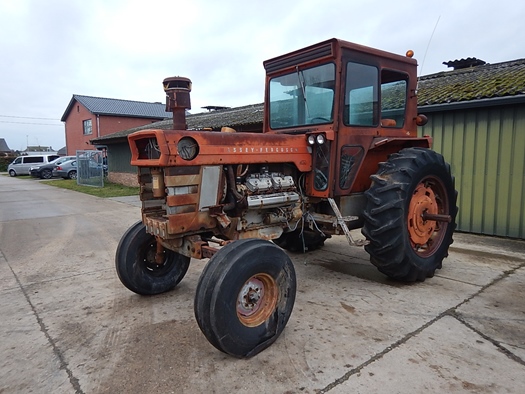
(89, 117)
(38, 150)
(476, 117)
(3, 146)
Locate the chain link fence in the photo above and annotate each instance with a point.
(90, 168)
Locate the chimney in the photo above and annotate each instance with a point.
(178, 99)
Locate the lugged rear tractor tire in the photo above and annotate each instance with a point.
(296, 242)
(136, 266)
(245, 297)
(402, 245)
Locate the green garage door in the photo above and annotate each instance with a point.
(486, 148)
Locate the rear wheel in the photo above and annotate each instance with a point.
(245, 297)
(137, 267)
(72, 174)
(410, 214)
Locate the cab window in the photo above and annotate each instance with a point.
(302, 97)
(361, 95)
(393, 98)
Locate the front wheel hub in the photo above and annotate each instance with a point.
(257, 300)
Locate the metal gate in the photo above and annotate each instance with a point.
(90, 168)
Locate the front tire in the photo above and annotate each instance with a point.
(245, 297)
(46, 174)
(12, 173)
(136, 266)
(411, 184)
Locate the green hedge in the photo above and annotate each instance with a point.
(5, 161)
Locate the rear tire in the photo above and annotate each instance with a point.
(245, 297)
(402, 245)
(72, 174)
(136, 266)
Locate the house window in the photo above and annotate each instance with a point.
(88, 128)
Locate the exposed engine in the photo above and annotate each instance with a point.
(266, 202)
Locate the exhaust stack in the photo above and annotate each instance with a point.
(178, 99)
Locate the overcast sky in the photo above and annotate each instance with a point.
(52, 49)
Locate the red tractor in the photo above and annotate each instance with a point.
(338, 151)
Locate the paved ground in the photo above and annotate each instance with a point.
(68, 326)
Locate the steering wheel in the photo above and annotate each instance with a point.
(319, 119)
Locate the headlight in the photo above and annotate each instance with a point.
(188, 148)
(318, 139)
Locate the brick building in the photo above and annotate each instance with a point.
(88, 117)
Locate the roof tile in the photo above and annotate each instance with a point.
(116, 107)
(475, 83)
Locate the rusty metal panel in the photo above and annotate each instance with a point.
(485, 148)
(182, 199)
(219, 148)
(182, 180)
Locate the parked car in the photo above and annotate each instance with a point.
(67, 169)
(22, 164)
(45, 171)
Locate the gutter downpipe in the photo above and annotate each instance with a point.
(479, 103)
(98, 126)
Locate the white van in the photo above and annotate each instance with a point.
(22, 164)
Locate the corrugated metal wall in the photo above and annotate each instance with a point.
(119, 157)
(486, 149)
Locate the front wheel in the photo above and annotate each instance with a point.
(137, 267)
(46, 174)
(12, 173)
(245, 297)
(410, 214)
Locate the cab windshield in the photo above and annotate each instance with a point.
(302, 97)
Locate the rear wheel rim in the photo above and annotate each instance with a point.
(429, 196)
(257, 300)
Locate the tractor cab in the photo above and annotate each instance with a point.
(351, 101)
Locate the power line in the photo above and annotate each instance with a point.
(37, 124)
(26, 117)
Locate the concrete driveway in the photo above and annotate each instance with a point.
(69, 326)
